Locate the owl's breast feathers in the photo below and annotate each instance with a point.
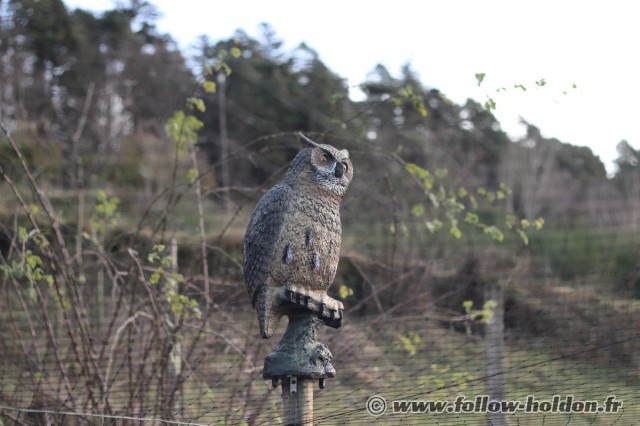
(293, 237)
(308, 246)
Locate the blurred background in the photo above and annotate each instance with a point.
(475, 260)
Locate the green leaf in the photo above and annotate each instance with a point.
(418, 105)
(490, 304)
(455, 231)
(32, 295)
(420, 173)
(407, 90)
(209, 86)
(523, 235)
(222, 53)
(23, 235)
(441, 173)
(474, 203)
(227, 69)
(490, 104)
(409, 344)
(192, 175)
(183, 128)
(196, 103)
(433, 226)
(434, 200)
(505, 188)
(455, 205)
(538, 223)
(496, 234)
(236, 52)
(480, 77)
(417, 210)
(472, 218)
(524, 224)
(488, 311)
(345, 292)
(33, 261)
(167, 261)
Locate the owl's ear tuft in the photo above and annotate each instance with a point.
(307, 140)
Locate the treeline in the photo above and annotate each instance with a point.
(96, 90)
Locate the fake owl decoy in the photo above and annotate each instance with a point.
(292, 242)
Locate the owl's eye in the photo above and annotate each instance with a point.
(324, 159)
(346, 166)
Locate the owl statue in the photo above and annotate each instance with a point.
(292, 242)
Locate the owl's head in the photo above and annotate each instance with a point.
(330, 168)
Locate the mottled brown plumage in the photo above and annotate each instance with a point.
(292, 243)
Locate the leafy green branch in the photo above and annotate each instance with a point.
(27, 265)
(491, 104)
(106, 213)
(462, 205)
(442, 377)
(183, 128)
(483, 315)
(410, 342)
(408, 94)
(164, 274)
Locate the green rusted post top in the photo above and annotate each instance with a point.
(299, 353)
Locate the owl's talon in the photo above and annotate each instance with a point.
(326, 308)
(331, 317)
(297, 298)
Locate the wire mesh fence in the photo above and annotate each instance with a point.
(433, 337)
(485, 281)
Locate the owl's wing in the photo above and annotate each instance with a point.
(259, 244)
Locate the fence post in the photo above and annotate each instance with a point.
(297, 400)
(494, 349)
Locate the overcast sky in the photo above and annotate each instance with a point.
(593, 44)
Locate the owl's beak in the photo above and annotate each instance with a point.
(339, 170)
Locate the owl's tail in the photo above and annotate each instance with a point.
(268, 312)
